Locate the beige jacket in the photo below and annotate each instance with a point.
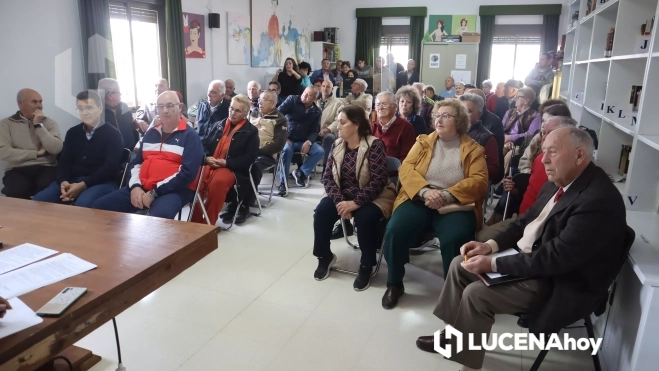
(20, 141)
(385, 200)
(364, 100)
(330, 117)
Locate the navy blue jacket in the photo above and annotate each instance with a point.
(303, 124)
(205, 120)
(319, 74)
(122, 119)
(97, 159)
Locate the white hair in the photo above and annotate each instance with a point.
(477, 100)
(487, 82)
(581, 139)
(258, 86)
(387, 94)
(362, 83)
(223, 87)
(108, 85)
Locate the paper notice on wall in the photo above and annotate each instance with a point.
(434, 61)
(463, 76)
(461, 61)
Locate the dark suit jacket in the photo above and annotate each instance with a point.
(578, 254)
(402, 79)
(493, 123)
(503, 106)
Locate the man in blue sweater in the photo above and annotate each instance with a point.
(90, 159)
(303, 127)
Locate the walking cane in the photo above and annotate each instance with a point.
(510, 172)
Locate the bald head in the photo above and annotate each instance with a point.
(478, 92)
(169, 110)
(567, 153)
(29, 101)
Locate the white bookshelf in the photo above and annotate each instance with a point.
(321, 50)
(605, 82)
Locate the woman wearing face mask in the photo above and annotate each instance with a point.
(90, 159)
(409, 104)
(356, 185)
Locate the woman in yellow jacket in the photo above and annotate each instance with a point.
(443, 184)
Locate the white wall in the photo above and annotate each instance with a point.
(33, 33)
(342, 14)
(202, 71)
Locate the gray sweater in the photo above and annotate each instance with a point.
(445, 169)
(20, 141)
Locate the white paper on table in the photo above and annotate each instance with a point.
(460, 61)
(22, 255)
(18, 318)
(43, 273)
(464, 76)
(506, 252)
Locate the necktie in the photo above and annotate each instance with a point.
(559, 194)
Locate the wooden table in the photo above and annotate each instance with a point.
(135, 256)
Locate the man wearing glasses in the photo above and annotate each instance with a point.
(163, 174)
(91, 157)
(273, 133)
(396, 132)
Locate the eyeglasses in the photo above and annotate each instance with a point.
(264, 100)
(442, 117)
(213, 92)
(86, 109)
(520, 96)
(168, 106)
(231, 109)
(114, 92)
(383, 104)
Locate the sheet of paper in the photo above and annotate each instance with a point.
(460, 61)
(22, 255)
(464, 76)
(500, 254)
(18, 318)
(43, 273)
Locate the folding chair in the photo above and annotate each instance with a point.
(197, 198)
(523, 320)
(393, 164)
(278, 165)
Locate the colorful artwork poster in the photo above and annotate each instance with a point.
(444, 25)
(463, 23)
(193, 35)
(239, 37)
(279, 31)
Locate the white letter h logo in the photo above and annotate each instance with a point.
(450, 332)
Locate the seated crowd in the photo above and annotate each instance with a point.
(423, 166)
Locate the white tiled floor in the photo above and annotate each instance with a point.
(253, 305)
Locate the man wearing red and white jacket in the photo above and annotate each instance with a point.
(162, 176)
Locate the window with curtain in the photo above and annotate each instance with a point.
(515, 51)
(138, 43)
(396, 40)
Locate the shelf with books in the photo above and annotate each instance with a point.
(610, 146)
(634, 26)
(604, 24)
(623, 90)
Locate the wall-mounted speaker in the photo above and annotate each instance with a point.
(214, 20)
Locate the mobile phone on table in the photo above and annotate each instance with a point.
(61, 302)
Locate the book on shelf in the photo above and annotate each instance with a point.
(609, 43)
(625, 153)
(635, 97)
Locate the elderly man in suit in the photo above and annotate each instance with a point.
(360, 97)
(570, 246)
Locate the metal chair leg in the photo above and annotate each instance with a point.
(538, 360)
(256, 192)
(354, 245)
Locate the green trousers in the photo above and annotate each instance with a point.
(412, 219)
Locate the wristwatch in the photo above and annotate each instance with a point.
(39, 125)
(423, 193)
(153, 193)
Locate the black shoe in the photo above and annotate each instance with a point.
(243, 214)
(300, 178)
(290, 176)
(283, 192)
(363, 280)
(227, 215)
(427, 343)
(324, 265)
(337, 232)
(391, 296)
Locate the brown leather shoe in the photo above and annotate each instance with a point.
(427, 343)
(391, 296)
